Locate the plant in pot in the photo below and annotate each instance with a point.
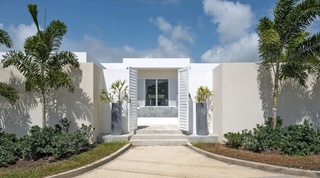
(116, 95)
(203, 94)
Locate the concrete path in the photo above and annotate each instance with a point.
(172, 161)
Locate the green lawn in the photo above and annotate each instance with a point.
(101, 151)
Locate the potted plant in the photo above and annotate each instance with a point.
(116, 95)
(203, 94)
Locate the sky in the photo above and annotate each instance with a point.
(110, 30)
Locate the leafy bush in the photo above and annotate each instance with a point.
(234, 140)
(7, 148)
(300, 139)
(42, 142)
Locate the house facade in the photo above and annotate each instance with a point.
(162, 91)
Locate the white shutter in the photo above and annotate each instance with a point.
(133, 92)
(183, 98)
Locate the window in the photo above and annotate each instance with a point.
(157, 92)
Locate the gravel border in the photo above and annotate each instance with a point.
(89, 167)
(261, 166)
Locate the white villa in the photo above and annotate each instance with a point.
(161, 92)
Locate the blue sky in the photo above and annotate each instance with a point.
(109, 30)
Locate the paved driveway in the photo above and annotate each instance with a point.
(172, 161)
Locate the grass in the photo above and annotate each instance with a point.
(311, 162)
(101, 151)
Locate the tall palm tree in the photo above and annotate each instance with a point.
(286, 47)
(45, 67)
(6, 90)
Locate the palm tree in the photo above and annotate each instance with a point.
(45, 68)
(286, 47)
(6, 90)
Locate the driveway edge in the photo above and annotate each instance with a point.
(89, 167)
(261, 166)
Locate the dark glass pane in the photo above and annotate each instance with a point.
(150, 92)
(163, 92)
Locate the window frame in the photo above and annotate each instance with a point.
(156, 94)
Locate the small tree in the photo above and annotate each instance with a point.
(44, 67)
(285, 46)
(203, 94)
(6, 90)
(117, 92)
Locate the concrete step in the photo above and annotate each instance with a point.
(158, 131)
(159, 142)
(159, 136)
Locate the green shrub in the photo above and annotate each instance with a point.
(56, 141)
(7, 148)
(42, 142)
(261, 138)
(300, 139)
(234, 140)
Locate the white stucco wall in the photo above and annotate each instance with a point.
(242, 95)
(200, 75)
(79, 107)
(241, 104)
(111, 73)
(156, 62)
(217, 116)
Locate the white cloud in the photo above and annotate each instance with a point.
(168, 48)
(181, 33)
(234, 23)
(128, 48)
(18, 34)
(177, 32)
(171, 42)
(243, 50)
(233, 18)
(162, 24)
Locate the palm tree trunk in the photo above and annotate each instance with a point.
(43, 103)
(275, 95)
(43, 95)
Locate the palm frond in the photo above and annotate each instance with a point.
(9, 92)
(56, 79)
(300, 18)
(5, 39)
(33, 10)
(308, 50)
(280, 12)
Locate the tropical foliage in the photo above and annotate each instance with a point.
(5, 39)
(116, 94)
(299, 139)
(43, 142)
(6, 90)
(45, 68)
(286, 47)
(203, 94)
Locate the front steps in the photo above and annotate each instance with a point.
(167, 135)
